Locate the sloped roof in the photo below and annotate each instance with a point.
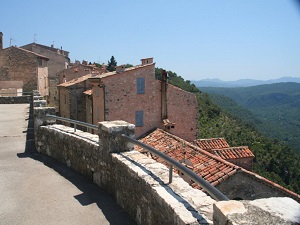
(103, 75)
(75, 81)
(233, 152)
(30, 52)
(206, 165)
(220, 147)
(212, 143)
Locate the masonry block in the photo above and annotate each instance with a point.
(110, 136)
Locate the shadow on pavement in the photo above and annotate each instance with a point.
(91, 193)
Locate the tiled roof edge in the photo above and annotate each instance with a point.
(271, 183)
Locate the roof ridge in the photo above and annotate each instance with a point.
(269, 182)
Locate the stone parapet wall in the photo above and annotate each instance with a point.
(15, 100)
(138, 183)
(268, 211)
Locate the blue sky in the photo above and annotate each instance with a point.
(197, 39)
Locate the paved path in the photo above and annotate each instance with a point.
(34, 189)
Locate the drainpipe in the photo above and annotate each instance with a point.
(164, 100)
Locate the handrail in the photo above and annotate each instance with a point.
(211, 190)
(75, 122)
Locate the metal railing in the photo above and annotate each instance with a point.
(74, 122)
(211, 190)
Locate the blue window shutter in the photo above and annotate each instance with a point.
(139, 118)
(141, 85)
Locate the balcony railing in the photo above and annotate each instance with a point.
(211, 190)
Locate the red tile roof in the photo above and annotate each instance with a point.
(220, 147)
(206, 165)
(212, 143)
(233, 152)
(75, 81)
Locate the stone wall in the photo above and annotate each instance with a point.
(20, 65)
(15, 100)
(138, 183)
(248, 186)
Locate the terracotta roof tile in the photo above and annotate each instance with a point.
(208, 166)
(205, 164)
(233, 152)
(212, 143)
(75, 81)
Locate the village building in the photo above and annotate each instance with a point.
(72, 74)
(241, 156)
(74, 103)
(232, 180)
(136, 96)
(58, 60)
(21, 65)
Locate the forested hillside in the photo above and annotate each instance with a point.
(273, 109)
(274, 160)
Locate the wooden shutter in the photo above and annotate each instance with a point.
(141, 85)
(139, 118)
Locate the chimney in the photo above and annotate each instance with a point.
(1, 40)
(120, 68)
(164, 84)
(147, 61)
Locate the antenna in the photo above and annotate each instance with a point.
(10, 40)
(34, 38)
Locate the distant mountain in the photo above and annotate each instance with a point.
(272, 108)
(241, 82)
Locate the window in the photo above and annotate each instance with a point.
(141, 85)
(139, 118)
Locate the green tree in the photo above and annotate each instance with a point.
(112, 63)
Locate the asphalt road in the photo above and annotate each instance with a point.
(35, 189)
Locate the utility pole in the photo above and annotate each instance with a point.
(34, 38)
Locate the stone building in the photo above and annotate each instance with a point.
(136, 96)
(232, 180)
(76, 71)
(17, 64)
(58, 60)
(73, 101)
(240, 156)
(71, 76)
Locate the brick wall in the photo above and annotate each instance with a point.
(121, 102)
(182, 110)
